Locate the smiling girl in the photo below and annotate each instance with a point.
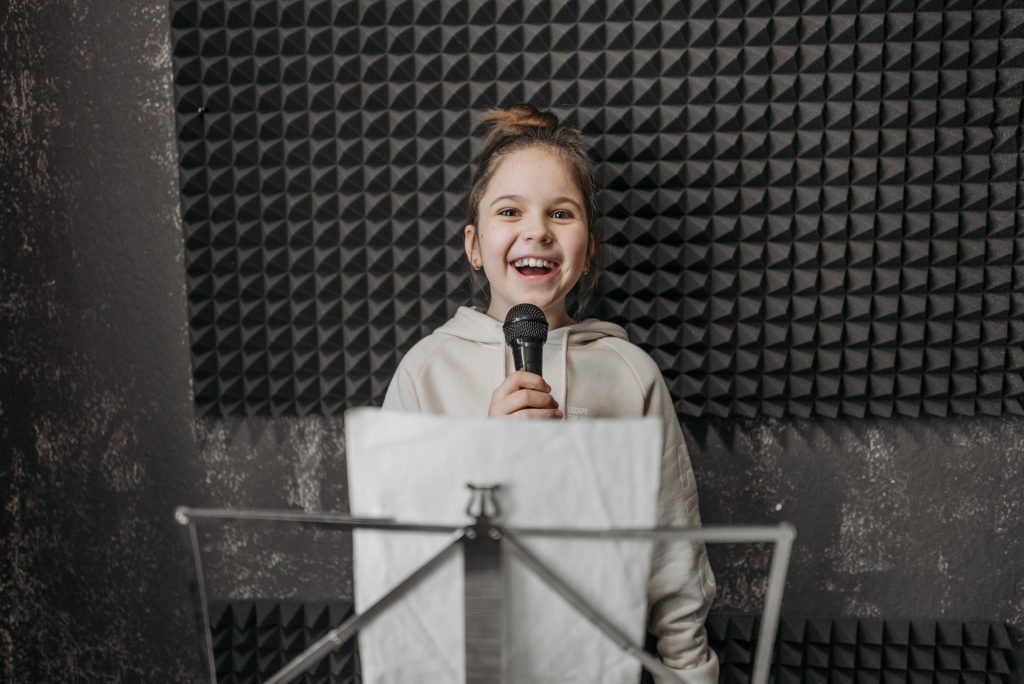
(531, 232)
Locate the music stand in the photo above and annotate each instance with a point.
(483, 542)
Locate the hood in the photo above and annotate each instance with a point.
(476, 326)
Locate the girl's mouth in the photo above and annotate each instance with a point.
(534, 267)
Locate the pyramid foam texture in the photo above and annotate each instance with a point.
(822, 649)
(811, 207)
(253, 639)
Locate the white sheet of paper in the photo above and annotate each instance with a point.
(593, 474)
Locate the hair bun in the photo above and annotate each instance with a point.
(519, 119)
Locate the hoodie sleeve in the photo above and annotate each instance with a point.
(682, 586)
(401, 394)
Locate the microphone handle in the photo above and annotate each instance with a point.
(527, 354)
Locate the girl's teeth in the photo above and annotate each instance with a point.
(535, 263)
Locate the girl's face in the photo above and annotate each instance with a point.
(531, 239)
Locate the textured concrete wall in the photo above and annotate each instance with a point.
(99, 441)
(902, 518)
(911, 518)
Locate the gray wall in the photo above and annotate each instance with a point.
(897, 518)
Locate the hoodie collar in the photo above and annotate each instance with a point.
(476, 326)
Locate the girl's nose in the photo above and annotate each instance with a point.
(536, 228)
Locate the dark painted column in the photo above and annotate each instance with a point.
(98, 442)
(99, 436)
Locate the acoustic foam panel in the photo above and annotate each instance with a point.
(854, 650)
(253, 639)
(811, 207)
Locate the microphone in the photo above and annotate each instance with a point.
(526, 331)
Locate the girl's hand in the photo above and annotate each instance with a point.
(524, 395)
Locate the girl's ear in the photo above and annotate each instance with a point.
(473, 248)
(591, 249)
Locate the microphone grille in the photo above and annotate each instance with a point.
(525, 321)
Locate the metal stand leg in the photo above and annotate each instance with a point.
(345, 631)
(482, 596)
(583, 606)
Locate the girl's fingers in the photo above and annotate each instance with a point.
(521, 380)
(529, 399)
(537, 413)
(520, 400)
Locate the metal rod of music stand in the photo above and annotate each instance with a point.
(197, 570)
(781, 535)
(346, 630)
(582, 606)
(343, 632)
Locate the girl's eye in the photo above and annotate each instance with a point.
(561, 214)
(508, 211)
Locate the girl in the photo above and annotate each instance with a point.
(531, 232)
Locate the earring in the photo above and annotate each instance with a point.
(477, 266)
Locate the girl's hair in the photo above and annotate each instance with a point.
(520, 127)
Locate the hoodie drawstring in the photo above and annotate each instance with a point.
(503, 350)
(565, 375)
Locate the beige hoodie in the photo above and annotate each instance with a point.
(594, 372)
